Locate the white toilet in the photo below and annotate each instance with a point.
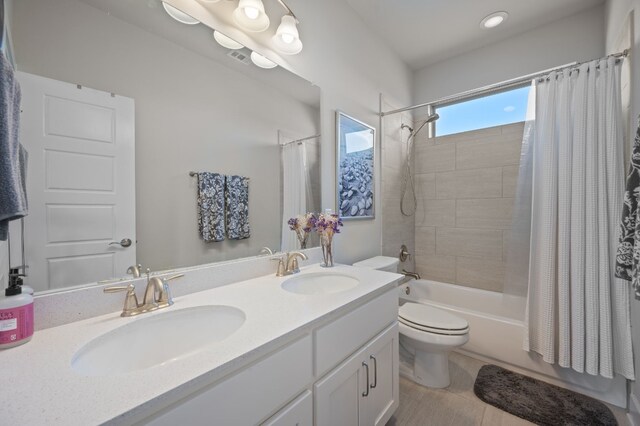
(427, 334)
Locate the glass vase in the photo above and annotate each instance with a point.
(327, 253)
(303, 237)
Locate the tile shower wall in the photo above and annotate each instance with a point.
(466, 185)
(396, 228)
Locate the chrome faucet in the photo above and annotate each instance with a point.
(292, 261)
(135, 270)
(157, 295)
(288, 264)
(411, 274)
(265, 250)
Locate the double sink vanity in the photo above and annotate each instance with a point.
(316, 347)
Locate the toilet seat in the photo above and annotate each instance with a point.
(432, 320)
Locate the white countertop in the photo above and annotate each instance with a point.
(40, 387)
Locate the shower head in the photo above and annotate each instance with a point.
(433, 117)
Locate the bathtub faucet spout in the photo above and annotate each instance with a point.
(411, 274)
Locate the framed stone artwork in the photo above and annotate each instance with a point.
(355, 168)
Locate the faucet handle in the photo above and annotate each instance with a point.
(130, 301)
(282, 270)
(295, 268)
(164, 297)
(404, 254)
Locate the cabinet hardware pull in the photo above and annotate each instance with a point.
(366, 393)
(375, 371)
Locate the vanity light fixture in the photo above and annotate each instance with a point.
(179, 15)
(226, 41)
(493, 20)
(261, 61)
(250, 16)
(287, 40)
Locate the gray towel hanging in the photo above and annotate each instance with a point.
(13, 156)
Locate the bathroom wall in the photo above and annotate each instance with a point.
(576, 38)
(192, 113)
(466, 186)
(616, 16)
(353, 66)
(397, 229)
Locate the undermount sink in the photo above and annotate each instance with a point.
(156, 340)
(320, 283)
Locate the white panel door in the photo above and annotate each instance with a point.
(80, 182)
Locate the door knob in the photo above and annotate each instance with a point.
(125, 242)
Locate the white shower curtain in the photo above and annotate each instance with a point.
(577, 310)
(295, 190)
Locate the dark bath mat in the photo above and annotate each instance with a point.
(537, 401)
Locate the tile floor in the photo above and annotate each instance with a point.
(457, 405)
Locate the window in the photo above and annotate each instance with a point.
(492, 110)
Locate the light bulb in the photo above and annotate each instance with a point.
(251, 12)
(250, 16)
(287, 38)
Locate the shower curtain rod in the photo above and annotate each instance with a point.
(300, 140)
(497, 86)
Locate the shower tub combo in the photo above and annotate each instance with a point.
(496, 322)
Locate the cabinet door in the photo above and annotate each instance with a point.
(348, 396)
(338, 397)
(382, 357)
(297, 413)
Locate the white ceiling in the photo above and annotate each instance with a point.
(424, 32)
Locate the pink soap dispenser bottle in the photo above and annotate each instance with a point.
(16, 315)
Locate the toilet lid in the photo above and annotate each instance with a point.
(378, 262)
(431, 330)
(425, 317)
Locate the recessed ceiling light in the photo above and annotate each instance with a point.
(494, 19)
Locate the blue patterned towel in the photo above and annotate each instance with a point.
(237, 196)
(211, 206)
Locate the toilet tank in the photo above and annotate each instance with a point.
(381, 263)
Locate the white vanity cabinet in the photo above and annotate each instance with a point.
(344, 372)
(363, 390)
(249, 396)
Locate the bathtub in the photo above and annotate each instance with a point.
(496, 324)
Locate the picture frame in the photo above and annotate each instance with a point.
(355, 167)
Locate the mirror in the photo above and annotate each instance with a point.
(120, 103)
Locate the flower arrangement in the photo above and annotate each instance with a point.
(327, 225)
(302, 224)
